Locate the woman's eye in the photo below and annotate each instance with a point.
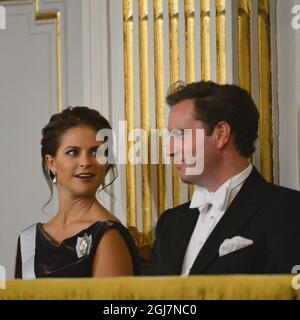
(72, 152)
(94, 153)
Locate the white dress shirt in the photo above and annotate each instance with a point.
(212, 206)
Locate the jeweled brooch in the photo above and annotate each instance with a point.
(83, 245)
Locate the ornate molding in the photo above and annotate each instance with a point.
(41, 16)
(56, 16)
(142, 242)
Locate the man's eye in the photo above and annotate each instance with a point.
(94, 152)
(72, 152)
(176, 133)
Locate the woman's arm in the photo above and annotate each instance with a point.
(112, 257)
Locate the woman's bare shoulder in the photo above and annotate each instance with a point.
(102, 214)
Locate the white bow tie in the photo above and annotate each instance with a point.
(219, 199)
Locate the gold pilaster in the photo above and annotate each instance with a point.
(189, 11)
(265, 89)
(160, 99)
(145, 114)
(174, 77)
(244, 45)
(205, 40)
(129, 110)
(221, 40)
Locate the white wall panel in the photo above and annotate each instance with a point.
(28, 90)
(288, 46)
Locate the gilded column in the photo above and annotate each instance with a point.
(221, 40)
(131, 202)
(160, 99)
(205, 40)
(174, 77)
(265, 89)
(189, 10)
(244, 45)
(145, 115)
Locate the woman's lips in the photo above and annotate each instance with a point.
(85, 177)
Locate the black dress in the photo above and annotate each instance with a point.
(61, 260)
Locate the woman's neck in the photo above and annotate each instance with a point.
(75, 209)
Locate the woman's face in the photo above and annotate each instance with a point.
(75, 165)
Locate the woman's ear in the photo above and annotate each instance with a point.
(50, 161)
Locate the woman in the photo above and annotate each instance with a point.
(83, 239)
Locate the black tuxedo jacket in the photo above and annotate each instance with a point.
(263, 212)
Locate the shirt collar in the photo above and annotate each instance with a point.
(230, 184)
(239, 178)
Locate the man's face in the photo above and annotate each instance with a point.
(196, 150)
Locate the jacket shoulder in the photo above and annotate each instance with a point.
(174, 216)
(279, 193)
(176, 211)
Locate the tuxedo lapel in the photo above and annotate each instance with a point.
(242, 209)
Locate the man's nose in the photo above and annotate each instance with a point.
(170, 149)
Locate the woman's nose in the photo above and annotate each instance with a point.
(85, 160)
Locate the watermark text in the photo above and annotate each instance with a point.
(296, 17)
(2, 18)
(140, 146)
(2, 277)
(295, 280)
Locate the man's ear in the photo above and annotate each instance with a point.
(222, 133)
(50, 161)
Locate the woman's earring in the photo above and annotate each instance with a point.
(54, 179)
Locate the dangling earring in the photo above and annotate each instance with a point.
(54, 179)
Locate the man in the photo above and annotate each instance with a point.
(236, 222)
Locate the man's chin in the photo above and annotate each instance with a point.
(189, 179)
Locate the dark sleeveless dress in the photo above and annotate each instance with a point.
(61, 260)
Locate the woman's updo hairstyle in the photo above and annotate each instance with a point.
(59, 123)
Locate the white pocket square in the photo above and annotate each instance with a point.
(234, 244)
